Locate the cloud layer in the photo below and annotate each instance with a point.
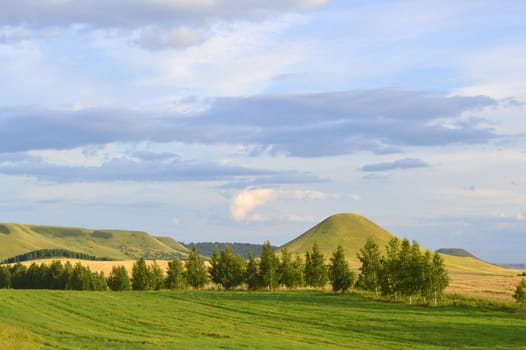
(123, 13)
(144, 167)
(302, 125)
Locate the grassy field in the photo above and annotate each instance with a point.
(237, 320)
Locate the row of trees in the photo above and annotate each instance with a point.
(228, 270)
(403, 271)
(52, 276)
(52, 253)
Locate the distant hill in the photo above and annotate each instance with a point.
(456, 252)
(207, 248)
(516, 266)
(349, 230)
(18, 239)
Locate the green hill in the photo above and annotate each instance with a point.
(16, 239)
(349, 230)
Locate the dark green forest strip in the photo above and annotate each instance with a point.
(236, 320)
(207, 248)
(53, 253)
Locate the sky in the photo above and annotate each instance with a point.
(247, 121)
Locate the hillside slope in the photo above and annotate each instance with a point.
(17, 239)
(172, 243)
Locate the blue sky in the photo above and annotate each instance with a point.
(247, 121)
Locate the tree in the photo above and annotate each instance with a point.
(340, 276)
(268, 267)
(18, 276)
(80, 278)
(404, 273)
(97, 281)
(286, 270)
(195, 274)
(252, 275)
(156, 276)
(412, 264)
(35, 276)
(5, 277)
(427, 279)
(55, 272)
(297, 272)
(231, 268)
(520, 292)
(67, 274)
(175, 275)
(438, 277)
(215, 266)
(369, 256)
(390, 269)
(119, 280)
(141, 277)
(315, 269)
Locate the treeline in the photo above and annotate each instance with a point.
(207, 248)
(52, 276)
(53, 253)
(227, 270)
(404, 271)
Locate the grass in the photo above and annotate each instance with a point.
(238, 320)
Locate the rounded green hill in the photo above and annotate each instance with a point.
(345, 229)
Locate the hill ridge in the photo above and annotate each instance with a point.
(17, 239)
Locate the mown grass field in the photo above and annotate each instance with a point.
(244, 320)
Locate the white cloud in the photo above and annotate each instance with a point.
(248, 200)
(245, 202)
(354, 197)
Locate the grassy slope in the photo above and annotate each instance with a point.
(468, 275)
(115, 244)
(172, 243)
(212, 320)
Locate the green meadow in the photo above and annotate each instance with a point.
(40, 319)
